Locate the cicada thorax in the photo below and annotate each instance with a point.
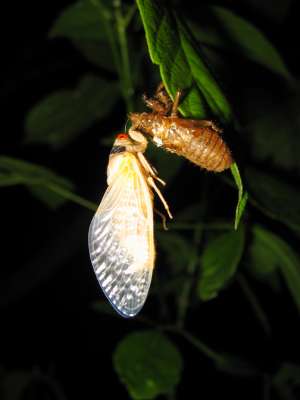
(199, 141)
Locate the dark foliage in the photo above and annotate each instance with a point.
(222, 317)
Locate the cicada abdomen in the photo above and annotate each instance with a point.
(197, 140)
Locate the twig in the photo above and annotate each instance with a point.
(125, 76)
(184, 226)
(254, 302)
(266, 387)
(198, 344)
(183, 301)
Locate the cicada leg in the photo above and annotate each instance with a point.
(158, 192)
(156, 105)
(174, 111)
(151, 170)
(164, 99)
(206, 123)
(163, 219)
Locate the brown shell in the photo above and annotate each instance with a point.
(197, 140)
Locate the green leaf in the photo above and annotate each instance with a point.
(288, 261)
(96, 52)
(225, 30)
(279, 121)
(263, 262)
(60, 117)
(10, 179)
(48, 197)
(219, 262)
(242, 197)
(181, 65)
(79, 21)
(39, 180)
(30, 173)
(235, 365)
(276, 11)
(287, 381)
(14, 384)
(148, 364)
(176, 248)
(275, 198)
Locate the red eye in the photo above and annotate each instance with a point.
(122, 136)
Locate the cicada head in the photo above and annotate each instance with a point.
(134, 142)
(121, 143)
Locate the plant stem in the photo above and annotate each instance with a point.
(115, 28)
(48, 381)
(171, 395)
(254, 302)
(128, 17)
(110, 34)
(178, 226)
(266, 387)
(183, 300)
(198, 344)
(72, 196)
(125, 76)
(194, 261)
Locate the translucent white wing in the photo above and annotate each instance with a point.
(121, 242)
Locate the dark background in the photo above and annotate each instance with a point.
(47, 285)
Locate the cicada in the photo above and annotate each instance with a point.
(199, 141)
(121, 236)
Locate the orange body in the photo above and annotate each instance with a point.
(197, 140)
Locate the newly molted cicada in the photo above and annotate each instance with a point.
(199, 141)
(121, 241)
